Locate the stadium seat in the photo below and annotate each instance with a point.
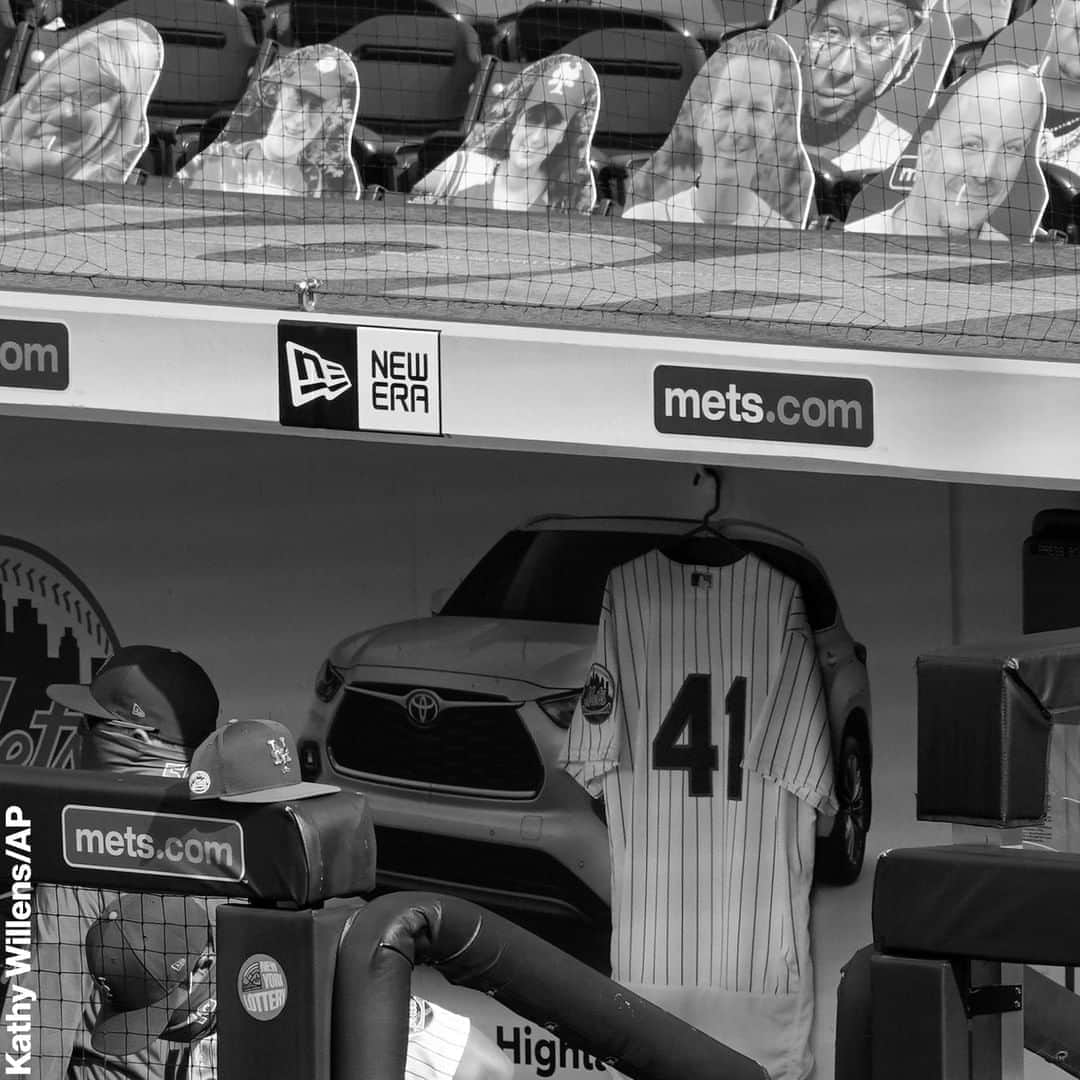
(644, 77)
(310, 22)
(1061, 219)
(417, 75)
(492, 81)
(964, 59)
(209, 50)
(740, 15)
(543, 29)
(833, 195)
(16, 43)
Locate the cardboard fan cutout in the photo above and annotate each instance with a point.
(1047, 39)
(82, 113)
(871, 70)
(532, 149)
(291, 133)
(734, 156)
(971, 172)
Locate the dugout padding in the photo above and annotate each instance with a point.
(985, 713)
(928, 997)
(475, 948)
(297, 1042)
(978, 901)
(120, 831)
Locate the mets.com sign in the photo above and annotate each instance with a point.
(135, 842)
(782, 407)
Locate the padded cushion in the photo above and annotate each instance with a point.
(299, 853)
(992, 903)
(984, 714)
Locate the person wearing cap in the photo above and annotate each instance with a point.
(291, 133)
(82, 114)
(855, 51)
(256, 761)
(144, 712)
(151, 959)
(532, 150)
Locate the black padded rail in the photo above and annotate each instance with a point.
(1048, 665)
(994, 704)
(146, 834)
(475, 948)
(1014, 905)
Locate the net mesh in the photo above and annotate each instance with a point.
(844, 167)
(102, 974)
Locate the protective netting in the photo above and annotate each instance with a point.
(111, 984)
(848, 165)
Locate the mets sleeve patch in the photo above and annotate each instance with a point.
(420, 1015)
(598, 697)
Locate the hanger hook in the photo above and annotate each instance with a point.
(709, 472)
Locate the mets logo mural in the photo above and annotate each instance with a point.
(51, 630)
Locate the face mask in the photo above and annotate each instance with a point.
(109, 746)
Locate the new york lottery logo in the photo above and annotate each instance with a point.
(262, 987)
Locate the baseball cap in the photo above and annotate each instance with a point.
(250, 761)
(159, 689)
(140, 952)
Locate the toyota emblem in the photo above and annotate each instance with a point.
(422, 707)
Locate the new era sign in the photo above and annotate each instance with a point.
(359, 378)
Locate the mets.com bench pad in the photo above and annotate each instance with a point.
(142, 833)
(1014, 905)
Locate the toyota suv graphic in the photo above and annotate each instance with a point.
(452, 726)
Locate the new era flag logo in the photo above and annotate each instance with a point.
(381, 378)
(317, 380)
(312, 377)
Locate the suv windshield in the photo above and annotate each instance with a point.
(555, 576)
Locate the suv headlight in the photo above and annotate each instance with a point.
(560, 707)
(328, 682)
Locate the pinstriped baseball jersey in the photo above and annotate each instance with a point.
(703, 723)
(437, 1039)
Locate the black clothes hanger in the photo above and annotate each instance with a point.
(705, 545)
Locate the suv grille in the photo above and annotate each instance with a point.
(478, 745)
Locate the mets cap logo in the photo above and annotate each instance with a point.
(566, 74)
(422, 707)
(279, 751)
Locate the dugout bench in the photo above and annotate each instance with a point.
(945, 991)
